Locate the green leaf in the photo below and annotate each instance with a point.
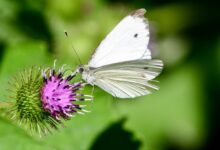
(18, 57)
(80, 132)
(13, 137)
(173, 113)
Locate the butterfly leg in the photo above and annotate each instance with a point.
(93, 89)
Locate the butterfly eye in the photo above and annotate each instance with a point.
(81, 69)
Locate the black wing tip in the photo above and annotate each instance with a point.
(138, 13)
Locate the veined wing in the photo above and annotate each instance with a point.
(127, 41)
(128, 79)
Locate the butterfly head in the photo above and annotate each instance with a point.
(87, 74)
(81, 68)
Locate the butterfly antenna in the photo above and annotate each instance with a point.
(76, 54)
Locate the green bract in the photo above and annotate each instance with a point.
(27, 108)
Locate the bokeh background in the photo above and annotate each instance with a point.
(182, 115)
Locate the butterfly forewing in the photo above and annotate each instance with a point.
(127, 41)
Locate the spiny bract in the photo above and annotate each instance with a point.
(35, 107)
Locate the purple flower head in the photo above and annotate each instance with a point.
(58, 94)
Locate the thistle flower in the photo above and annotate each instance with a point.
(58, 95)
(43, 99)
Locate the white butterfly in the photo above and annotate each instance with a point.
(122, 64)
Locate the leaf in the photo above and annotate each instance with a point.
(12, 137)
(80, 132)
(173, 113)
(18, 57)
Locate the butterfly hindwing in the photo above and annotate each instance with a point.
(128, 79)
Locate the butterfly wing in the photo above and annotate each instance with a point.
(127, 41)
(122, 65)
(128, 79)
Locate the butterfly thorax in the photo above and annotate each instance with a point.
(87, 74)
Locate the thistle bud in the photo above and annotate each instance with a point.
(42, 99)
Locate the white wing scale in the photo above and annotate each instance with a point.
(128, 79)
(127, 41)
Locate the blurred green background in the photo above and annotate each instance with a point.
(182, 115)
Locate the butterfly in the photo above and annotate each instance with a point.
(122, 63)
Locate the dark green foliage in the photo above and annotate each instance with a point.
(116, 136)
